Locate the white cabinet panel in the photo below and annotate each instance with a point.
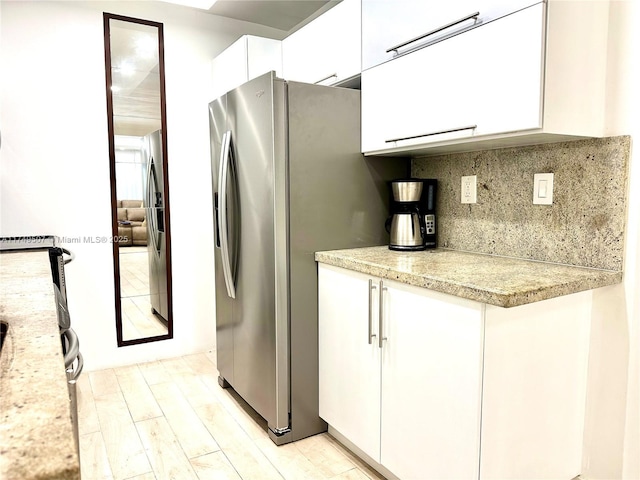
(387, 23)
(414, 404)
(327, 50)
(349, 365)
(533, 76)
(485, 81)
(535, 378)
(431, 384)
(245, 59)
(447, 367)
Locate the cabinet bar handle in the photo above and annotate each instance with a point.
(439, 29)
(470, 127)
(381, 315)
(371, 334)
(326, 78)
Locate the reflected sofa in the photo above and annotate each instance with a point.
(132, 222)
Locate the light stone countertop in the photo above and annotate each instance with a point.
(36, 435)
(500, 281)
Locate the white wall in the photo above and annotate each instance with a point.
(625, 117)
(54, 161)
(612, 427)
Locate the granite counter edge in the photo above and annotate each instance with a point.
(498, 298)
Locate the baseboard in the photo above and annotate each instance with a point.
(361, 455)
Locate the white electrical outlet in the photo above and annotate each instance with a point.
(543, 189)
(468, 190)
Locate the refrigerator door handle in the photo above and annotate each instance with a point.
(152, 187)
(224, 226)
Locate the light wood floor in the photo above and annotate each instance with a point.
(138, 320)
(170, 420)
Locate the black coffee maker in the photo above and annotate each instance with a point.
(412, 225)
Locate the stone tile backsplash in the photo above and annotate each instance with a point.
(584, 226)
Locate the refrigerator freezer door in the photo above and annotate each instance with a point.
(224, 304)
(156, 246)
(260, 333)
(252, 329)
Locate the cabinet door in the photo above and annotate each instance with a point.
(229, 68)
(263, 55)
(535, 383)
(485, 81)
(431, 384)
(245, 59)
(349, 366)
(327, 50)
(387, 23)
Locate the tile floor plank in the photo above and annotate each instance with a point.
(369, 471)
(251, 463)
(87, 414)
(252, 423)
(144, 476)
(353, 474)
(125, 452)
(224, 429)
(141, 402)
(176, 366)
(214, 466)
(241, 451)
(194, 389)
(200, 363)
(163, 450)
(289, 461)
(153, 372)
(190, 432)
(104, 382)
(195, 415)
(95, 464)
(324, 456)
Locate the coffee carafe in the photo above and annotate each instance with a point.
(412, 223)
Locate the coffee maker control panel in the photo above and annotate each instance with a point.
(430, 223)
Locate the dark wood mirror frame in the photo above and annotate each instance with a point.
(107, 17)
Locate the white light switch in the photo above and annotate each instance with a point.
(543, 189)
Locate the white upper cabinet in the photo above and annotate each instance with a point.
(536, 75)
(245, 59)
(394, 27)
(327, 50)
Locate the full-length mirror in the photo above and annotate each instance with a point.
(139, 186)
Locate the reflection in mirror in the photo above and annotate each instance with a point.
(139, 188)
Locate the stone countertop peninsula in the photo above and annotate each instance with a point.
(36, 434)
(500, 281)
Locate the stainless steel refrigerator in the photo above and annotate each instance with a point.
(156, 240)
(288, 180)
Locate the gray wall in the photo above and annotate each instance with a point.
(584, 226)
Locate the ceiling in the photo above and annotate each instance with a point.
(135, 78)
(280, 14)
(135, 73)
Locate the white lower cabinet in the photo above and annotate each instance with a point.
(413, 405)
(458, 389)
